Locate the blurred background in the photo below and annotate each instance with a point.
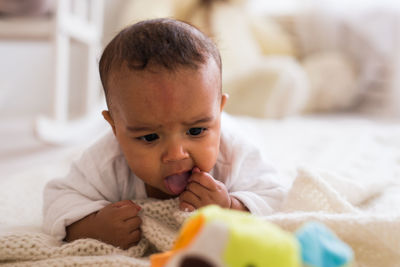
(280, 59)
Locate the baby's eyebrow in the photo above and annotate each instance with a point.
(149, 128)
(201, 120)
(141, 128)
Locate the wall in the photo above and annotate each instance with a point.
(25, 78)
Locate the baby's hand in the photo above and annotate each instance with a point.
(118, 224)
(203, 190)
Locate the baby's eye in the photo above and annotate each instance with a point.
(149, 137)
(195, 131)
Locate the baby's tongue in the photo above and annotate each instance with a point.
(177, 183)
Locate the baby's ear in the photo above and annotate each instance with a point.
(224, 99)
(107, 116)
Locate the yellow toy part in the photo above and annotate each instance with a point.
(219, 237)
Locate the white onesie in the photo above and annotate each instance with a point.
(102, 176)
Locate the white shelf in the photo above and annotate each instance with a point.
(79, 20)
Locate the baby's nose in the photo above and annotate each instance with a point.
(175, 151)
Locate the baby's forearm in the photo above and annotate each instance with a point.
(83, 228)
(236, 204)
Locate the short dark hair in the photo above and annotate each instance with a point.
(163, 42)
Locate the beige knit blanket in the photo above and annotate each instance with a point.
(161, 221)
(364, 213)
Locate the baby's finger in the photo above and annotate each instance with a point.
(127, 212)
(133, 223)
(190, 198)
(197, 189)
(134, 237)
(122, 203)
(186, 207)
(205, 179)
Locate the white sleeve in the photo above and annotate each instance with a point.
(253, 180)
(87, 188)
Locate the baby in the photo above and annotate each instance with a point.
(162, 81)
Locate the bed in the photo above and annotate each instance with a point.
(341, 170)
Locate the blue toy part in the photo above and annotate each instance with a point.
(320, 247)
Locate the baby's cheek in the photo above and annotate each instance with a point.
(144, 167)
(206, 158)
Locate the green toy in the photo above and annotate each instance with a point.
(216, 237)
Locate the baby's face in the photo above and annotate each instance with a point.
(167, 123)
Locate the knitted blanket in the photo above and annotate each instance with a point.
(161, 221)
(314, 196)
(363, 214)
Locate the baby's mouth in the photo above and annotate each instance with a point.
(176, 183)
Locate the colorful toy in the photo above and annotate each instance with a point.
(216, 237)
